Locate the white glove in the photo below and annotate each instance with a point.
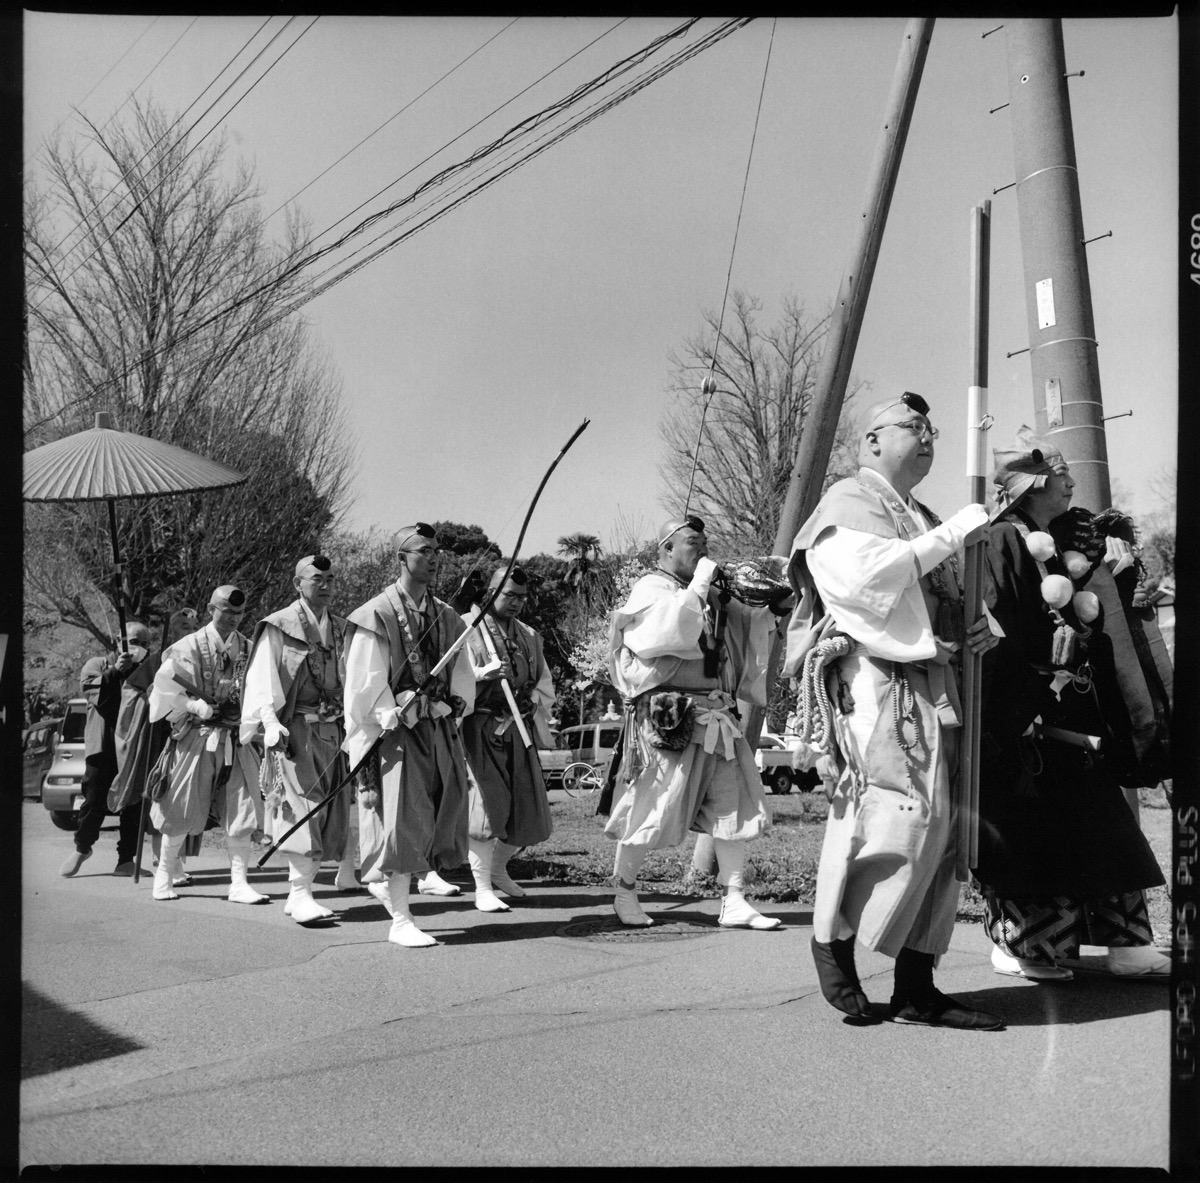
(705, 570)
(273, 733)
(405, 711)
(1117, 554)
(970, 517)
(198, 707)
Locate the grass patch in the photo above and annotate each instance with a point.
(780, 866)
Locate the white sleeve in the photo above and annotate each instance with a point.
(168, 699)
(263, 689)
(367, 693)
(663, 623)
(462, 678)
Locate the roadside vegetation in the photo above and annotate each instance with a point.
(781, 866)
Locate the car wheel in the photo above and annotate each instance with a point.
(65, 819)
(781, 781)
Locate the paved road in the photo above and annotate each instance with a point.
(208, 1032)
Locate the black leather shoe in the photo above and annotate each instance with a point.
(838, 977)
(940, 1010)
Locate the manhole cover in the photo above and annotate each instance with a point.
(599, 928)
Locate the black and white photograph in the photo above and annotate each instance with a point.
(599, 591)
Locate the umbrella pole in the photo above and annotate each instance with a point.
(153, 731)
(117, 584)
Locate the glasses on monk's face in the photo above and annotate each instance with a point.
(916, 427)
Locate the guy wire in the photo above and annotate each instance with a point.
(710, 381)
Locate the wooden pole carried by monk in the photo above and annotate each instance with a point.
(978, 422)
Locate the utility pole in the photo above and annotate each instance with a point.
(1067, 407)
(820, 424)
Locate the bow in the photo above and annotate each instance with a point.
(445, 659)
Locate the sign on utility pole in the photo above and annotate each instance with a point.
(1067, 407)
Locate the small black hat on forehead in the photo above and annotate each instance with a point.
(517, 576)
(425, 530)
(321, 562)
(237, 597)
(915, 402)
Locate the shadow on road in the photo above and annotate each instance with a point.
(1090, 998)
(54, 1038)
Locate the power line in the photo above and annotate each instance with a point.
(177, 121)
(175, 168)
(95, 88)
(465, 132)
(392, 117)
(524, 127)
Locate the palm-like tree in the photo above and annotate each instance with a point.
(581, 552)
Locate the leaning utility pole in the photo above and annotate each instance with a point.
(820, 424)
(1067, 407)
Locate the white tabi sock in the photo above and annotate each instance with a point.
(404, 930)
(500, 876)
(625, 901)
(431, 883)
(736, 911)
(479, 855)
(345, 880)
(168, 856)
(301, 906)
(240, 891)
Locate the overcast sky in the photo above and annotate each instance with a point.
(471, 352)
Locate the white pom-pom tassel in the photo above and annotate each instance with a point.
(1076, 563)
(1086, 605)
(1057, 590)
(1040, 545)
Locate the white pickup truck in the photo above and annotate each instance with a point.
(782, 763)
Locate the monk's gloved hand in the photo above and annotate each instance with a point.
(368, 798)
(389, 719)
(970, 520)
(274, 734)
(703, 576)
(201, 709)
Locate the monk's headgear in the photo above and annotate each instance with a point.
(690, 522)
(908, 400)
(516, 576)
(228, 597)
(313, 565)
(416, 530)
(1026, 465)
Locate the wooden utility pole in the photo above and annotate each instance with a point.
(1067, 408)
(820, 424)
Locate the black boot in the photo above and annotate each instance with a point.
(918, 1001)
(839, 978)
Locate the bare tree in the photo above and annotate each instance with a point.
(154, 291)
(743, 461)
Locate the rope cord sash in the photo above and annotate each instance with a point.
(814, 707)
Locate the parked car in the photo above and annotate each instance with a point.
(593, 742)
(63, 781)
(553, 761)
(775, 758)
(37, 752)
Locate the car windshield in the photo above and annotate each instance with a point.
(569, 739)
(73, 726)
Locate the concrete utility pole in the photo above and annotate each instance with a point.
(1067, 408)
(820, 425)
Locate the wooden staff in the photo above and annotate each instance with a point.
(505, 685)
(978, 422)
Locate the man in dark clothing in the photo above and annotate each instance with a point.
(100, 682)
